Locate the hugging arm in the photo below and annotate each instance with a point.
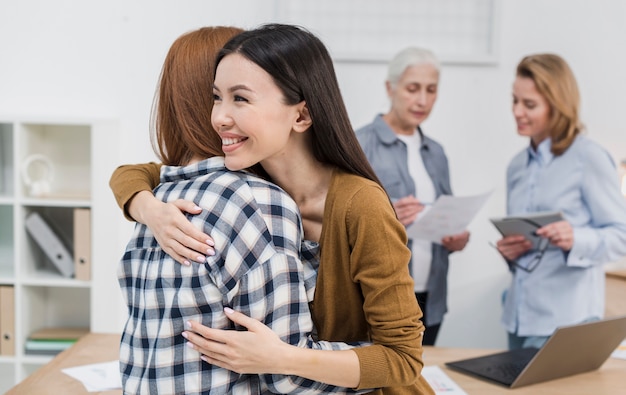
(132, 186)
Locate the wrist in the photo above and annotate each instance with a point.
(139, 205)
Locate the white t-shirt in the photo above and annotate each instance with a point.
(425, 191)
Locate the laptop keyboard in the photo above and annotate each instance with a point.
(503, 367)
(509, 371)
(506, 369)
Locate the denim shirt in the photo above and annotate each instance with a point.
(566, 287)
(388, 156)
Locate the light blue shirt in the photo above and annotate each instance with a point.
(567, 287)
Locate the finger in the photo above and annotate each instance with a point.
(187, 206)
(193, 248)
(242, 319)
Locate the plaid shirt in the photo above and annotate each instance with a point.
(257, 270)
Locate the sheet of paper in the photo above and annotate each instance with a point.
(620, 351)
(440, 382)
(449, 215)
(98, 376)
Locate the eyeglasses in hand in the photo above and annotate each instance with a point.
(532, 265)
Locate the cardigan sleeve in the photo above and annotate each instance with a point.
(379, 264)
(128, 180)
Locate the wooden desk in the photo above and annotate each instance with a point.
(50, 380)
(609, 379)
(94, 348)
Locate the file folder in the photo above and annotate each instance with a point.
(7, 320)
(82, 244)
(50, 244)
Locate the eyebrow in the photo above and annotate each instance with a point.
(234, 88)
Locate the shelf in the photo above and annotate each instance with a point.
(7, 252)
(67, 147)
(81, 157)
(6, 160)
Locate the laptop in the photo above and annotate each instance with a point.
(570, 350)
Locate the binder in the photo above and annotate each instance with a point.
(7, 320)
(50, 244)
(82, 244)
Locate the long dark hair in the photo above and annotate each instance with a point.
(302, 68)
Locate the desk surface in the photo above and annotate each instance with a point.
(50, 380)
(94, 348)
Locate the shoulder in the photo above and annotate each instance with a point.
(519, 160)
(357, 193)
(269, 193)
(584, 146)
(367, 132)
(590, 155)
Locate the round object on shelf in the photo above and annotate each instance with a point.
(37, 174)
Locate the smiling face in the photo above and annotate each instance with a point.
(531, 110)
(249, 113)
(413, 96)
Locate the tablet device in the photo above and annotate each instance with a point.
(526, 225)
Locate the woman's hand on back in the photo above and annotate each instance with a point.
(173, 231)
(255, 351)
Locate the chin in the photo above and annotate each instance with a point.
(234, 165)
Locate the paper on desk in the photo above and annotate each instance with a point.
(620, 351)
(440, 382)
(449, 215)
(98, 376)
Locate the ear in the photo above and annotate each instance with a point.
(388, 88)
(303, 121)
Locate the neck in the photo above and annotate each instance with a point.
(399, 127)
(307, 181)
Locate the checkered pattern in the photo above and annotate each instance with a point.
(256, 270)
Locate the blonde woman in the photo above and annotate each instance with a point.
(561, 282)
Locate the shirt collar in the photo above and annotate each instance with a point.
(206, 166)
(388, 136)
(543, 155)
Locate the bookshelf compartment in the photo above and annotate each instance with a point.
(67, 148)
(83, 155)
(7, 255)
(36, 262)
(6, 160)
(55, 307)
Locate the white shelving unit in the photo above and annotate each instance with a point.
(83, 154)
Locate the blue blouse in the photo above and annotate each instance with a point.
(566, 287)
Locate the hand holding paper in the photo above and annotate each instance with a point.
(449, 215)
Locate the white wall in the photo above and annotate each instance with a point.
(76, 58)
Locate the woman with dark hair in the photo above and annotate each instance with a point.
(278, 103)
(561, 281)
(257, 233)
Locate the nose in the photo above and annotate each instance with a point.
(518, 111)
(220, 118)
(421, 98)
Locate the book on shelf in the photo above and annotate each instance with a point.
(7, 320)
(50, 341)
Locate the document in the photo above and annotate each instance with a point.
(440, 382)
(449, 215)
(620, 351)
(98, 376)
